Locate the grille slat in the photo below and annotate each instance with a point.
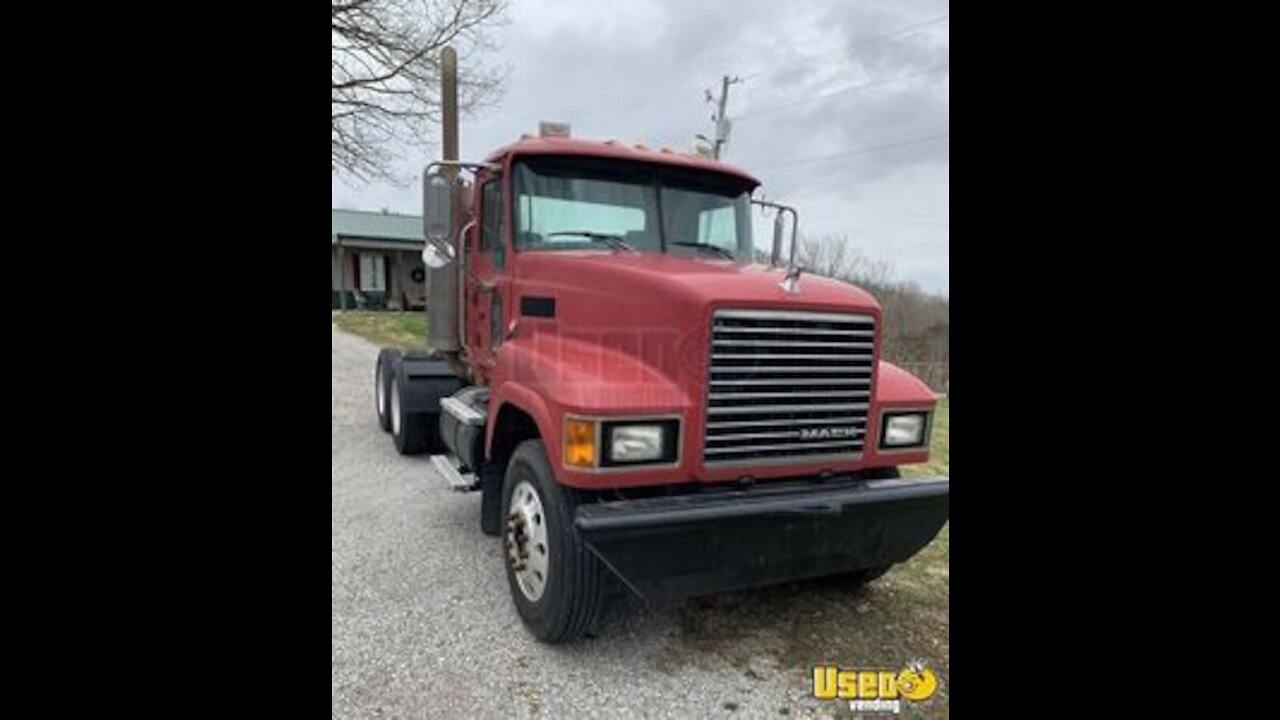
(781, 356)
(850, 420)
(806, 369)
(787, 386)
(791, 344)
(760, 409)
(798, 394)
(731, 331)
(826, 445)
(793, 381)
(756, 435)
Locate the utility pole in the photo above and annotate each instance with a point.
(722, 122)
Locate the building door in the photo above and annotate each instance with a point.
(371, 278)
(373, 273)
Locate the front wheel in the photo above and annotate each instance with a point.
(555, 581)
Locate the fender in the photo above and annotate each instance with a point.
(551, 375)
(525, 399)
(896, 386)
(429, 380)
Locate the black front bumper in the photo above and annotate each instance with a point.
(665, 548)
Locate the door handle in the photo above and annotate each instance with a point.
(486, 286)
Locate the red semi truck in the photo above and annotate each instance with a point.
(641, 403)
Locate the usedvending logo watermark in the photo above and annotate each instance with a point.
(875, 690)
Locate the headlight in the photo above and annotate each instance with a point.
(595, 444)
(903, 429)
(635, 443)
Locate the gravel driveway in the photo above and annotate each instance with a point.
(423, 625)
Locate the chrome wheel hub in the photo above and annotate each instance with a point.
(525, 541)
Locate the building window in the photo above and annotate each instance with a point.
(373, 273)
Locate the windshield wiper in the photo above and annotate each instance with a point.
(705, 248)
(608, 238)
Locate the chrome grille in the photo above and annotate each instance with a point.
(787, 386)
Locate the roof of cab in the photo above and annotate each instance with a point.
(597, 148)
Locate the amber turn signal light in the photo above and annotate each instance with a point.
(579, 443)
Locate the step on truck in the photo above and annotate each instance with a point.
(642, 402)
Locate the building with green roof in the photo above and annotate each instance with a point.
(377, 260)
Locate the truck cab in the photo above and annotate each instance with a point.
(643, 397)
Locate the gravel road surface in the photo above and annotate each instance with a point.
(423, 624)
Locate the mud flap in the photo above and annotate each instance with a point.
(667, 548)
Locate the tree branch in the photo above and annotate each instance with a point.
(385, 74)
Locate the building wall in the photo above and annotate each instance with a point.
(403, 287)
(400, 264)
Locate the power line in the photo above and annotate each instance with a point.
(848, 46)
(859, 151)
(841, 91)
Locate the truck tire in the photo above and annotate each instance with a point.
(382, 374)
(556, 585)
(408, 429)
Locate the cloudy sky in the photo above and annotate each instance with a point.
(843, 108)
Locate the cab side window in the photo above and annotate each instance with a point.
(491, 222)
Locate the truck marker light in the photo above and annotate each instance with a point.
(580, 443)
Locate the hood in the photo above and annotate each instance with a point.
(657, 307)
(682, 282)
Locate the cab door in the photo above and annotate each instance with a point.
(488, 301)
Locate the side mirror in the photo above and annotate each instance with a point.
(779, 224)
(437, 219)
(436, 256)
(777, 239)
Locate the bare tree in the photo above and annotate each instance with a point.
(386, 74)
(916, 324)
(836, 257)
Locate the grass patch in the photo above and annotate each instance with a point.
(404, 330)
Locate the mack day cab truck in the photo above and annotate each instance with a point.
(638, 402)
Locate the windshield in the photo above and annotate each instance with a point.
(576, 203)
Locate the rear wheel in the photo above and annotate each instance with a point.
(408, 429)
(555, 581)
(382, 375)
